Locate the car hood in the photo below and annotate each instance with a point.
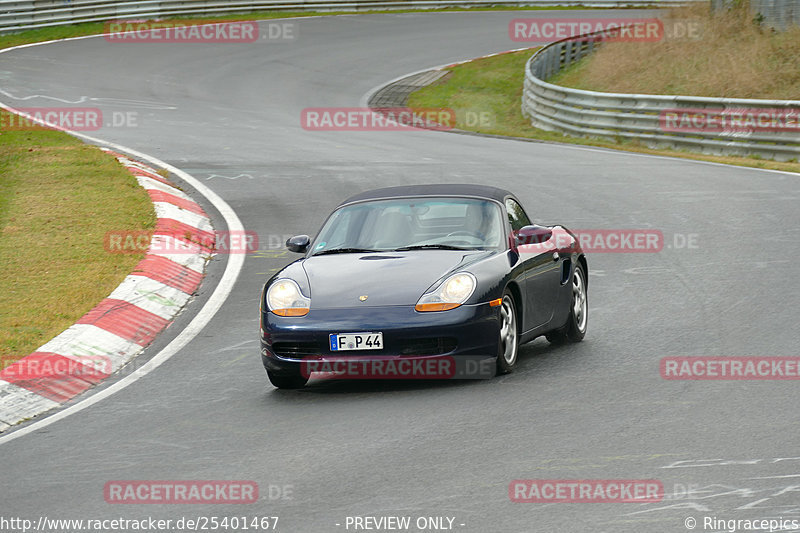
(386, 278)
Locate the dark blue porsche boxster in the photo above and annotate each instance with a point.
(415, 273)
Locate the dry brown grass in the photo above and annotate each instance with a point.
(734, 58)
(494, 84)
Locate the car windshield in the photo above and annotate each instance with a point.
(412, 223)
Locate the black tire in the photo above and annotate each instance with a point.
(577, 321)
(287, 380)
(508, 342)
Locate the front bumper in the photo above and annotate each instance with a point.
(466, 332)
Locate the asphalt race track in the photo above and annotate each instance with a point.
(229, 114)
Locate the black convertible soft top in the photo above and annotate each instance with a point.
(442, 189)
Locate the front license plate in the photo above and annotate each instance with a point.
(356, 341)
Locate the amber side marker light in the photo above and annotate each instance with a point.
(495, 303)
(435, 307)
(292, 311)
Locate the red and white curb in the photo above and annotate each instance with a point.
(124, 323)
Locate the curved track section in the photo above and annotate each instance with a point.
(229, 115)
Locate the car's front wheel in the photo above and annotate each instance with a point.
(287, 380)
(508, 344)
(575, 328)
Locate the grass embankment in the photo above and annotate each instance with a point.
(58, 198)
(494, 85)
(732, 57)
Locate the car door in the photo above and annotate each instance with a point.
(542, 272)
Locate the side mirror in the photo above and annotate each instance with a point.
(298, 243)
(533, 235)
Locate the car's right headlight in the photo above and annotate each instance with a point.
(285, 299)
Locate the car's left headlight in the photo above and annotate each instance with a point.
(453, 292)
(285, 299)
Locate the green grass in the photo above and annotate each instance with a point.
(490, 88)
(58, 198)
(493, 85)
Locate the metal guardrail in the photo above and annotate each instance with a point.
(778, 14)
(614, 116)
(18, 15)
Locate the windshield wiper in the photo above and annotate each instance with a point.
(431, 247)
(345, 251)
